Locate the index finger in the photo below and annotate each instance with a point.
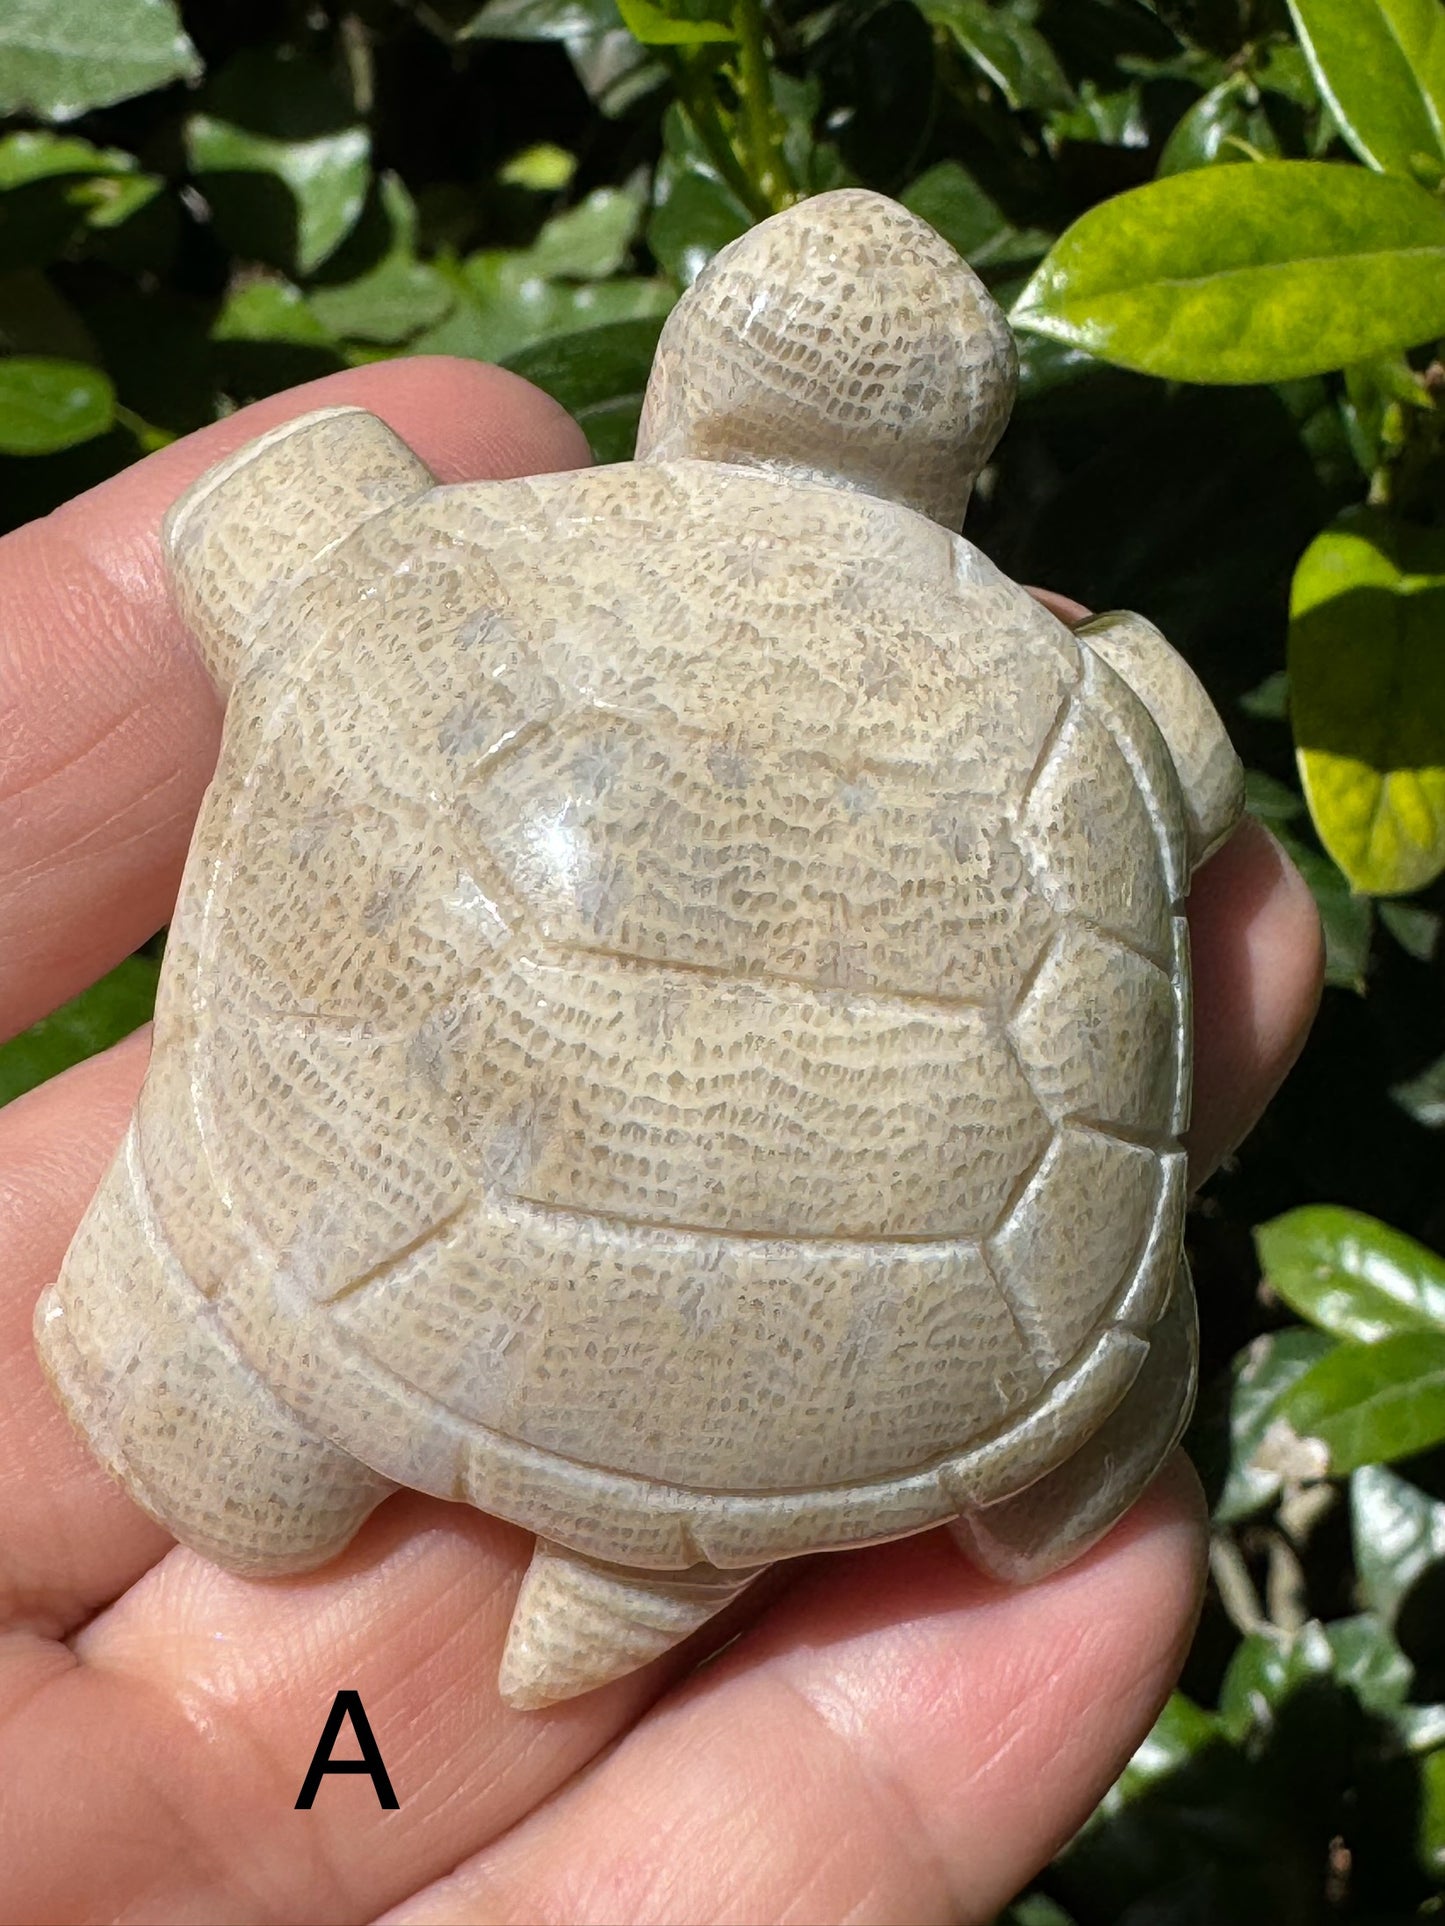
(110, 723)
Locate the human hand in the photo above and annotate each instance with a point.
(891, 1737)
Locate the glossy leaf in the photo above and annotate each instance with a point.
(1369, 1661)
(1423, 1096)
(951, 200)
(1006, 47)
(1266, 1668)
(1259, 1378)
(270, 311)
(281, 159)
(1352, 1275)
(676, 23)
(1398, 1533)
(374, 288)
(97, 1018)
(1228, 123)
(1367, 683)
(590, 241)
(60, 58)
(1372, 1403)
(1181, 1731)
(1381, 66)
(1247, 274)
(599, 376)
(504, 307)
(47, 404)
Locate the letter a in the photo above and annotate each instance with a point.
(347, 1705)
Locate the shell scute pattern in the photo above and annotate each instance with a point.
(647, 1003)
(677, 1023)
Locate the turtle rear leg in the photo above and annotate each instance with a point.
(1057, 1519)
(139, 1360)
(580, 1622)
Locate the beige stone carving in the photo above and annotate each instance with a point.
(676, 1027)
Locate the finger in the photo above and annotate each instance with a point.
(899, 1739)
(111, 723)
(70, 1539)
(183, 1736)
(1258, 958)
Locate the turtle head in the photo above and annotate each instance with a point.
(841, 341)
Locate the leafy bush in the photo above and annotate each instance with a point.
(1219, 227)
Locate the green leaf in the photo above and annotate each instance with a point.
(1114, 119)
(1415, 929)
(1266, 1668)
(1348, 920)
(1423, 1097)
(1226, 124)
(1007, 49)
(97, 1018)
(1369, 1661)
(590, 241)
(270, 310)
(1381, 66)
(543, 168)
(505, 306)
(1259, 1378)
(1181, 1731)
(599, 376)
(1432, 1814)
(1247, 274)
(282, 160)
(60, 58)
(374, 288)
(1352, 1275)
(46, 404)
(1371, 1403)
(676, 23)
(1398, 1533)
(970, 220)
(1367, 697)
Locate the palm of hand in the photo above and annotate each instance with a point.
(892, 1736)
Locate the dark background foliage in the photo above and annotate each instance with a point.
(201, 207)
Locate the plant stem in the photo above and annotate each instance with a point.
(765, 159)
(694, 90)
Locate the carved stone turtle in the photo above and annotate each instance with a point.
(676, 1027)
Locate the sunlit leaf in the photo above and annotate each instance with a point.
(1367, 698)
(374, 288)
(1372, 1403)
(1398, 1533)
(60, 58)
(1381, 66)
(1352, 1275)
(282, 160)
(1259, 1378)
(47, 404)
(1247, 274)
(677, 23)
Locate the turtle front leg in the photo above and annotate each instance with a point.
(1210, 774)
(139, 1360)
(580, 1623)
(1057, 1519)
(254, 521)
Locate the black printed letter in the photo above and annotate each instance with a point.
(347, 1705)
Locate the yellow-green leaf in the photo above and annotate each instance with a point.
(1245, 274)
(1367, 698)
(1381, 66)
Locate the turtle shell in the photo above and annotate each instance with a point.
(677, 1026)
